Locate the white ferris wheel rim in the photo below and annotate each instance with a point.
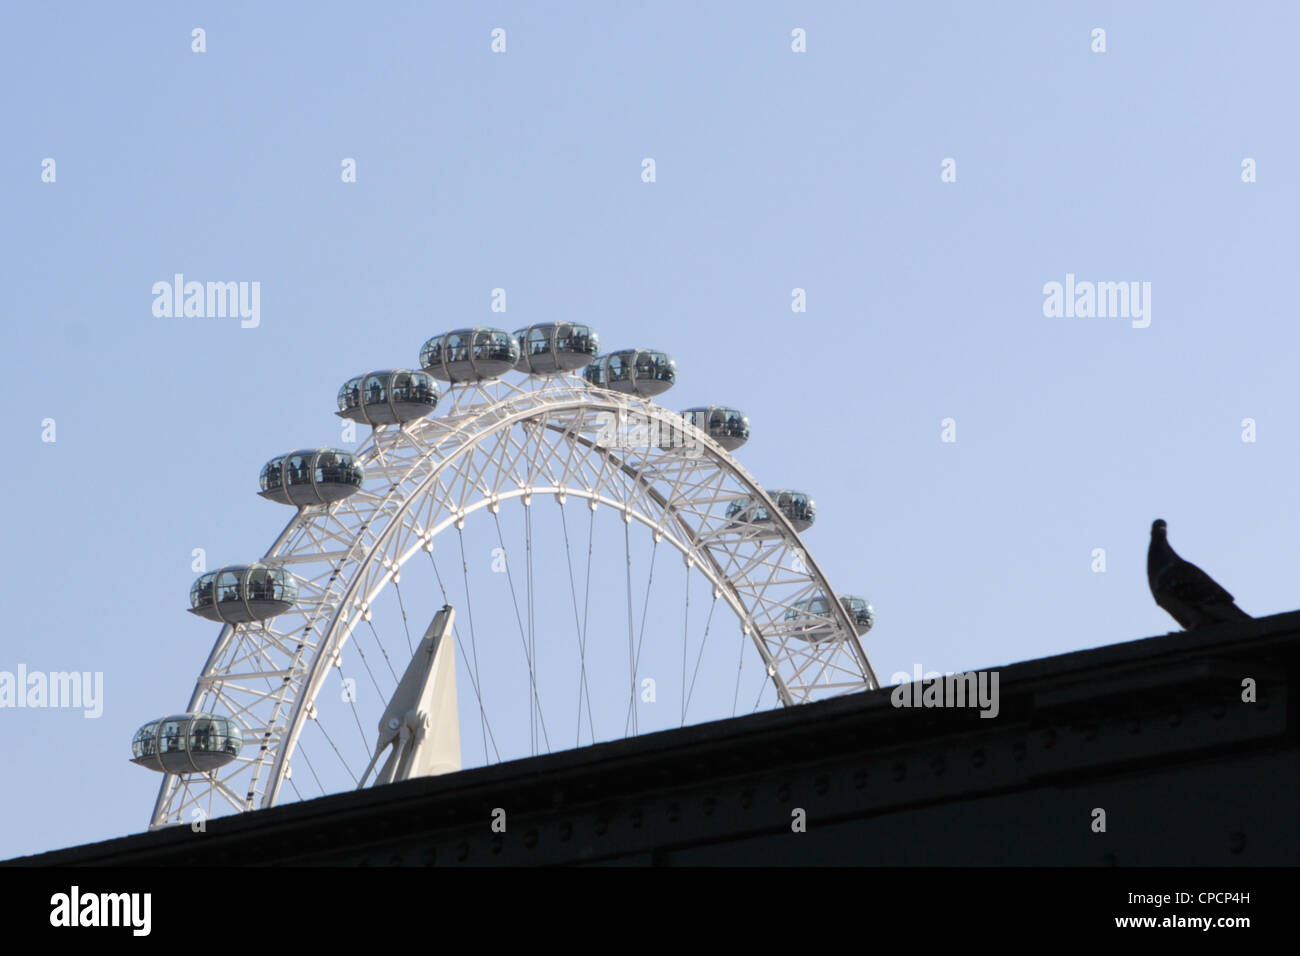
(426, 461)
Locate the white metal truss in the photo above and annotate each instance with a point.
(492, 442)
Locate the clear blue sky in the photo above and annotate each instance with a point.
(522, 170)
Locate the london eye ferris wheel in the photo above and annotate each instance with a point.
(589, 560)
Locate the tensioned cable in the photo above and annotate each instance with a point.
(357, 644)
(686, 620)
(528, 602)
(337, 752)
(740, 664)
(645, 607)
(762, 686)
(532, 611)
(631, 653)
(473, 642)
(355, 716)
(532, 674)
(640, 640)
(580, 628)
(402, 605)
(699, 657)
(586, 609)
(307, 760)
(383, 650)
(472, 671)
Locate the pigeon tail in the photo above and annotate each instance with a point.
(1226, 611)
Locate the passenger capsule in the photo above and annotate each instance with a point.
(238, 594)
(795, 505)
(813, 620)
(311, 476)
(634, 372)
(187, 743)
(555, 347)
(727, 426)
(469, 355)
(387, 397)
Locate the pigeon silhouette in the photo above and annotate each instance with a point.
(1191, 596)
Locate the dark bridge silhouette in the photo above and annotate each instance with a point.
(1154, 732)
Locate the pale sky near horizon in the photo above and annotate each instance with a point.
(775, 170)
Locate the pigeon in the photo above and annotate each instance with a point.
(1191, 596)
